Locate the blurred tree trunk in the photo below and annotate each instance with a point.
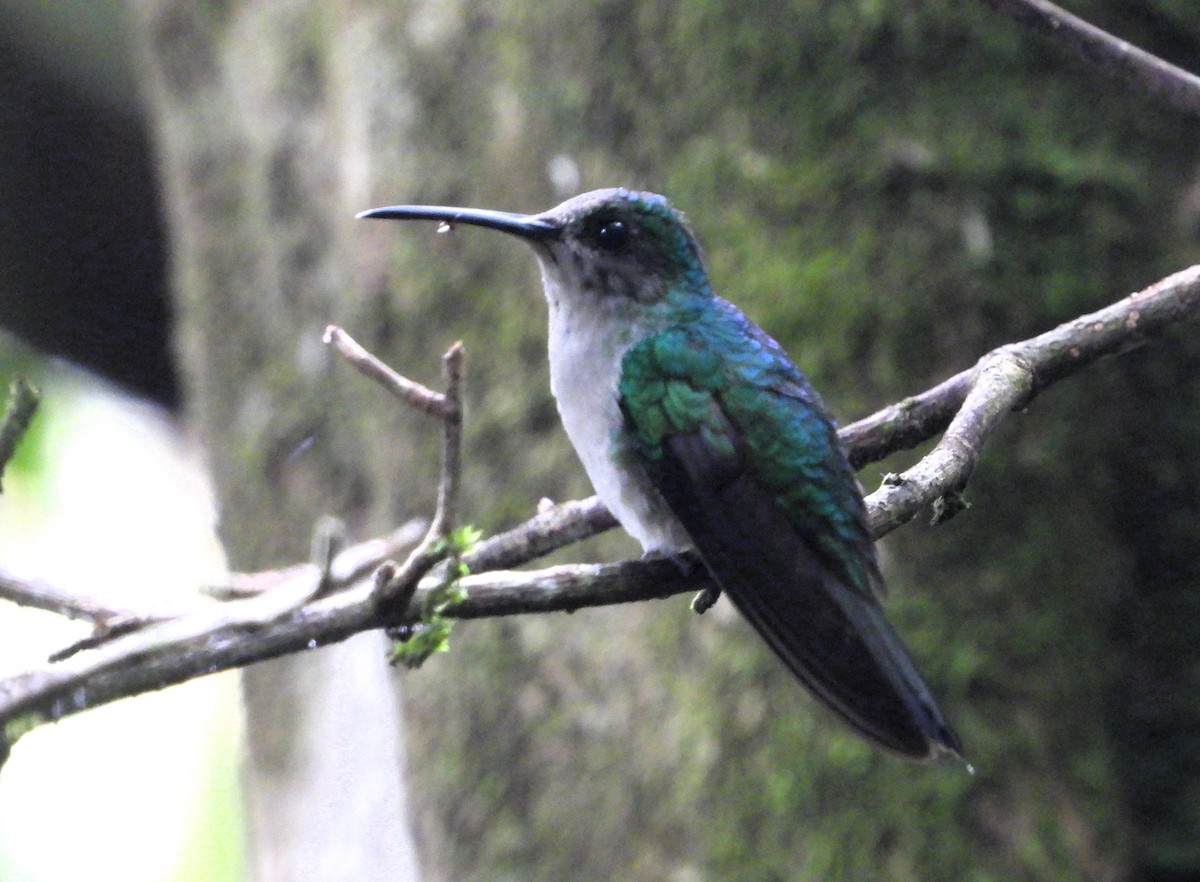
(891, 190)
(263, 160)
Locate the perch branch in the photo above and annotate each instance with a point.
(289, 616)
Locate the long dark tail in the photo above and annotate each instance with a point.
(833, 637)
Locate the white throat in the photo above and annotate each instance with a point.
(588, 339)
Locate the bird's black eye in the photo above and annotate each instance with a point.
(612, 235)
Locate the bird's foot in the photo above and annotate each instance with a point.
(688, 565)
(704, 600)
(680, 559)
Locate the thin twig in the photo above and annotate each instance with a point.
(395, 592)
(39, 594)
(106, 631)
(395, 588)
(351, 564)
(393, 595)
(329, 536)
(1108, 54)
(409, 391)
(446, 513)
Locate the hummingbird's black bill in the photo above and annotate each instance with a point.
(524, 225)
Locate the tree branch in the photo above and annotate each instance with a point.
(1108, 54)
(280, 612)
(38, 594)
(1004, 380)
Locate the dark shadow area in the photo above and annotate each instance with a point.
(82, 254)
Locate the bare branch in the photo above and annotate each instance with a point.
(1001, 384)
(1052, 356)
(288, 617)
(1126, 325)
(554, 527)
(351, 564)
(447, 502)
(575, 586)
(38, 594)
(329, 535)
(1002, 381)
(1109, 54)
(907, 423)
(410, 392)
(394, 590)
(245, 631)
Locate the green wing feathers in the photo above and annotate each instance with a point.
(739, 392)
(742, 451)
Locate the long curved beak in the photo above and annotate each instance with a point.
(526, 226)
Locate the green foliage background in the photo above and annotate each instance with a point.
(891, 190)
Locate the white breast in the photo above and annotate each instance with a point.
(586, 347)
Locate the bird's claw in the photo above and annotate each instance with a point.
(704, 600)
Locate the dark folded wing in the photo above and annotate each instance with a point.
(742, 450)
(833, 637)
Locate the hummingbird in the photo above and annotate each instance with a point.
(698, 432)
